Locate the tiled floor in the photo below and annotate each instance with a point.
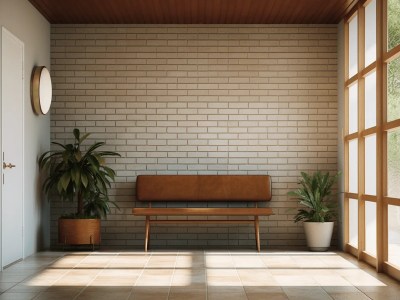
(194, 275)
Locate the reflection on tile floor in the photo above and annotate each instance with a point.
(192, 275)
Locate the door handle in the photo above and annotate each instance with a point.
(9, 165)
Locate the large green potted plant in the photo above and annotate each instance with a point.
(314, 194)
(82, 177)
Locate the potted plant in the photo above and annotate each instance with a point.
(314, 193)
(81, 176)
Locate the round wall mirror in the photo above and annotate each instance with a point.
(41, 90)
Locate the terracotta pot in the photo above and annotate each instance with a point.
(79, 231)
(318, 235)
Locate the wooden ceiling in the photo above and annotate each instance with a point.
(193, 11)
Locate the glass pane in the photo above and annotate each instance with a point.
(353, 48)
(370, 33)
(353, 166)
(370, 100)
(370, 227)
(393, 23)
(353, 108)
(393, 90)
(370, 164)
(394, 234)
(353, 222)
(393, 163)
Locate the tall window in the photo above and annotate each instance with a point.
(372, 134)
(392, 126)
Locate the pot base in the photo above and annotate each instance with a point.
(79, 231)
(318, 235)
(318, 249)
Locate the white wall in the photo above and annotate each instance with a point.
(25, 22)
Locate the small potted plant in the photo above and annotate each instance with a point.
(314, 194)
(83, 177)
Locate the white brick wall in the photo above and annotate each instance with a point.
(200, 100)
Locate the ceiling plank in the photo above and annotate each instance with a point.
(193, 11)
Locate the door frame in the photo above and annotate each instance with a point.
(5, 31)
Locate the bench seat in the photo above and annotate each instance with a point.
(203, 188)
(196, 211)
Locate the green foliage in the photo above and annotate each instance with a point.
(98, 205)
(314, 194)
(393, 23)
(393, 94)
(393, 84)
(81, 176)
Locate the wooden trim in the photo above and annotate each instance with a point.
(380, 166)
(382, 71)
(346, 130)
(361, 228)
(392, 54)
(178, 221)
(361, 38)
(351, 14)
(383, 25)
(147, 234)
(385, 238)
(352, 80)
(368, 258)
(351, 195)
(351, 136)
(370, 198)
(369, 69)
(351, 249)
(369, 131)
(257, 232)
(202, 211)
(392, 124)
(346, 56)
(392, 270)
(391, 201)
(365, 2)
(346, 223)
(361, 125)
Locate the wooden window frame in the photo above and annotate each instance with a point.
(383, 57)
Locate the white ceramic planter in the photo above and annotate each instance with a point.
(318, 235)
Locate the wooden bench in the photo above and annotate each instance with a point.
(203, 188)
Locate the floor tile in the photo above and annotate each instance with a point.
(345, 293)
(149, 293)
(227, 296)
(4, 286)
(306, 293)
(195, 275)
(105, 293)
(257, 277)
(185, 293)
(269, 296)
(381, 293)
(18, 296)
(59, 295)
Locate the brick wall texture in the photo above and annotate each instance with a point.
(199, 99)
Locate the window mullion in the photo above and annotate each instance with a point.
(381, 116)
(361, 123)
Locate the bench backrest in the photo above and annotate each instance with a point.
(203, 188)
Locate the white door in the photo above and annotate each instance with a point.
(12, 95)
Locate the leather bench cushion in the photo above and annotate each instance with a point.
(203, 188)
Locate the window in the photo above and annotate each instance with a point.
(393, 23)
(372, 134)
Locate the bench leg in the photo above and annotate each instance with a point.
(147, 233)
(257, 231)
